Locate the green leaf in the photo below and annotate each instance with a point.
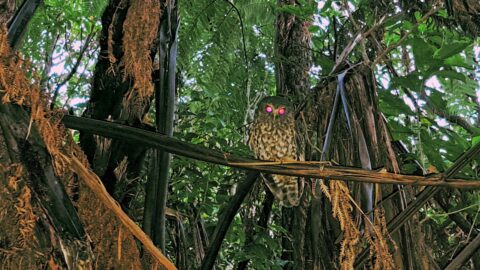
(423, 53)
(313, 29)
(451, 49)
(457, 61)
(407, 25)
(437, 100)
(400, 132)
(409, 168)
(451, 74)
(475, 140)
(443, 13)
(418, 15)
(430, 150)
(422, 27)
(326, 6)
(393, 105)
(326, 63)
(411, 81)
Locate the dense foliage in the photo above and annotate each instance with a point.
(428, 90)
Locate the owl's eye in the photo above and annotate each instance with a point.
(281, 111)
(268, 109)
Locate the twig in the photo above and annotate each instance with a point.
(435, 7)
(465, 254)
(242, 28)
(74, 68)
(360, 36)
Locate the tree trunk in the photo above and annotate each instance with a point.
(292, 49)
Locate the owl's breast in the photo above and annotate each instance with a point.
(271, 140)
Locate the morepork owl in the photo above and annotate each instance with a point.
(272, 137)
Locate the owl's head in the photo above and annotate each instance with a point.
(275, 107)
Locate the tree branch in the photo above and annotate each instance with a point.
(18, 25)
(262, 223)
(302, 169)
(225, 220)
(75, 67)
(435, 7)
(421, 199)
(465, 254)
(455, 119)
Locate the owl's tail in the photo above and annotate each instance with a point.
(286, 189)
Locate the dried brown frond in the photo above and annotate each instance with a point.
(20, 248)
(140, 31)
(111, 58)
(379, 242)
(113, 250)
(376, 233)
(342, 210)
(121, 170)
(22, 91)
(26, 217)
(325, 190)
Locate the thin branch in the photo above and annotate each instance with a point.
(242, 28)
(226, 219)
(353, 43)
(435, 7)
(424, 196)
(302, 169)
(357, 27)
(75, 67)
(452, 118)
(465, 254)
(19, 23)
(48, 65)
(247, 66)
(461, 221)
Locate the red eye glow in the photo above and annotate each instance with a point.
(268, 109)
(281, 111)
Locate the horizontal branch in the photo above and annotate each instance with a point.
(302, 169)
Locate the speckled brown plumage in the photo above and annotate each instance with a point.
(272, 137)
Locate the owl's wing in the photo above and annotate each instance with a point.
(286, 189)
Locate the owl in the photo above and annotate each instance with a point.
(272, 136)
